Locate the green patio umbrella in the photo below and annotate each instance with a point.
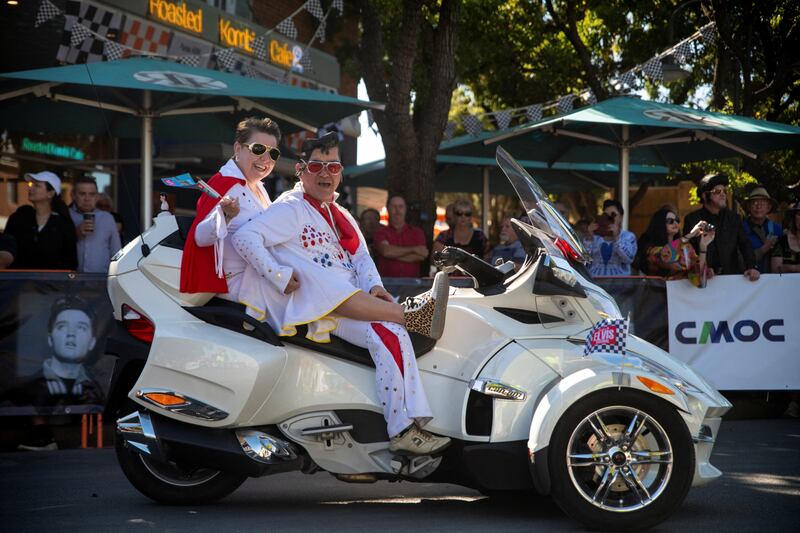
(140, 95)
(628, 130)
(456, 173)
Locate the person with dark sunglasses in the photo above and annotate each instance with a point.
(663, 252)
(309, 249)
(462, 234)
(210, 263)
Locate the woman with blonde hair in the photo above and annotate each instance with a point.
(462, 234)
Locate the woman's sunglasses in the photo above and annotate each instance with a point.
(462, 213)
(315, 167)
(675, 220)
(261, 149)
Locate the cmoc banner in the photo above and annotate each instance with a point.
(738, 334)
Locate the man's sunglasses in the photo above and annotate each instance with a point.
(675, 220)
(462, 213)
(261, 149)
(315, 167)
(719, 191)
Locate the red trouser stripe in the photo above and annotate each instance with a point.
(391, 342)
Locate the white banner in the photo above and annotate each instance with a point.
(738, 334)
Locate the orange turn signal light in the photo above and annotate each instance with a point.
(165, 399)
(654, 386)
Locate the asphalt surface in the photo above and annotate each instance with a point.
(84, 490)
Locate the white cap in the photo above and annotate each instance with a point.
(47, 177)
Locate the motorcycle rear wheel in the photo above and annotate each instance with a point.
(173, 484)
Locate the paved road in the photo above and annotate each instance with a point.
(84, 490)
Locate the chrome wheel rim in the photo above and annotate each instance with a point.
(619, 459)
(171, 474)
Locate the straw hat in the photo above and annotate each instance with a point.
(760, 193)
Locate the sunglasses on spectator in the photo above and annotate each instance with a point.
(675, 220)
(723, 190)
(462, 213)
(261, 149)
(612, 215)
(315, 167)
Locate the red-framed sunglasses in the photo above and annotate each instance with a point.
(315, 167)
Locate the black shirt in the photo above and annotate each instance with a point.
(51, 248)
(730, 252)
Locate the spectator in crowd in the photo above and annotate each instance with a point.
(611, 248)
(8, 248)
(370, 222)
(663, 252)
(730, 252)
(461, 233)
(44, 233)
(582, 229)
(786, 253)
(762, 232)
(104, 203)
(563, 209)
(510, 248)
(399, 247)
(98, 238)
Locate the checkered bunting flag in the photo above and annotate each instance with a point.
(260, 48)
(225, 59)
(709, 34)
(338, 5)
(610, 335)
(653, 70)
(564, 104)
(314, 7)
(449, 130)
(113, 51)
(628, 78)
(287, 28)
(472, 124)
(320, 33)
(591, 98)
(79, 34)
(46, 11)
(305, 61)
(503, 119)
(192, 61)
(683, 52)
(534, 113)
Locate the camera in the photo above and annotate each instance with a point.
(603, 225)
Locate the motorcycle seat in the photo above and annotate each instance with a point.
(231, 315)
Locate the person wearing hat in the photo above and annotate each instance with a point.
(786, 253)
(730, 252)
(43, 232)
(762, 232)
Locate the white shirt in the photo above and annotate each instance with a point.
(292, 236)
(212, 230)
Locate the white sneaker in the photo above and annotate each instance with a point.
(425, 314)
(417, 441)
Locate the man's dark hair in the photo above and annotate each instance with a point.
(247, 127)
(393, 196)
(324, 144)
(85, 179)
(66, 303)
(615, 203)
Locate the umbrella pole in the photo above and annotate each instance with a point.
(485, 200)
(147, 161)
(624, 175)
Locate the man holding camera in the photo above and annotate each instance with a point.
(730, 252)
(98, 239)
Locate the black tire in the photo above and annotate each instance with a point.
(608, 484)
(171, 484)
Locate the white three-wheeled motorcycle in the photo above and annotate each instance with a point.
(206, 396)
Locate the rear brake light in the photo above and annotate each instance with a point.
(138, 325)
(566, 249)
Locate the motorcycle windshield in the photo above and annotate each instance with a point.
(550, 227)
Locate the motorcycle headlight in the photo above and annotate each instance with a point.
(668, 375)
(603, 304)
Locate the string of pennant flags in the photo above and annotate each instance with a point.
(86, 30)
(682, 52)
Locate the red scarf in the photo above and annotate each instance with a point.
(348, 237)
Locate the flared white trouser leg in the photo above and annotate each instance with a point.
(396, 374)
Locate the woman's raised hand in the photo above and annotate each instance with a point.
(230, 206)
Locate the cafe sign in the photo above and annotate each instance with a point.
(178, 14)
(281, 54)
(49, 148)
(239, 37)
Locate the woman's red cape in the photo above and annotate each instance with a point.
(197, 265)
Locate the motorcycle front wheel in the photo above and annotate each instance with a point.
(175, 484)
(621, 460)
